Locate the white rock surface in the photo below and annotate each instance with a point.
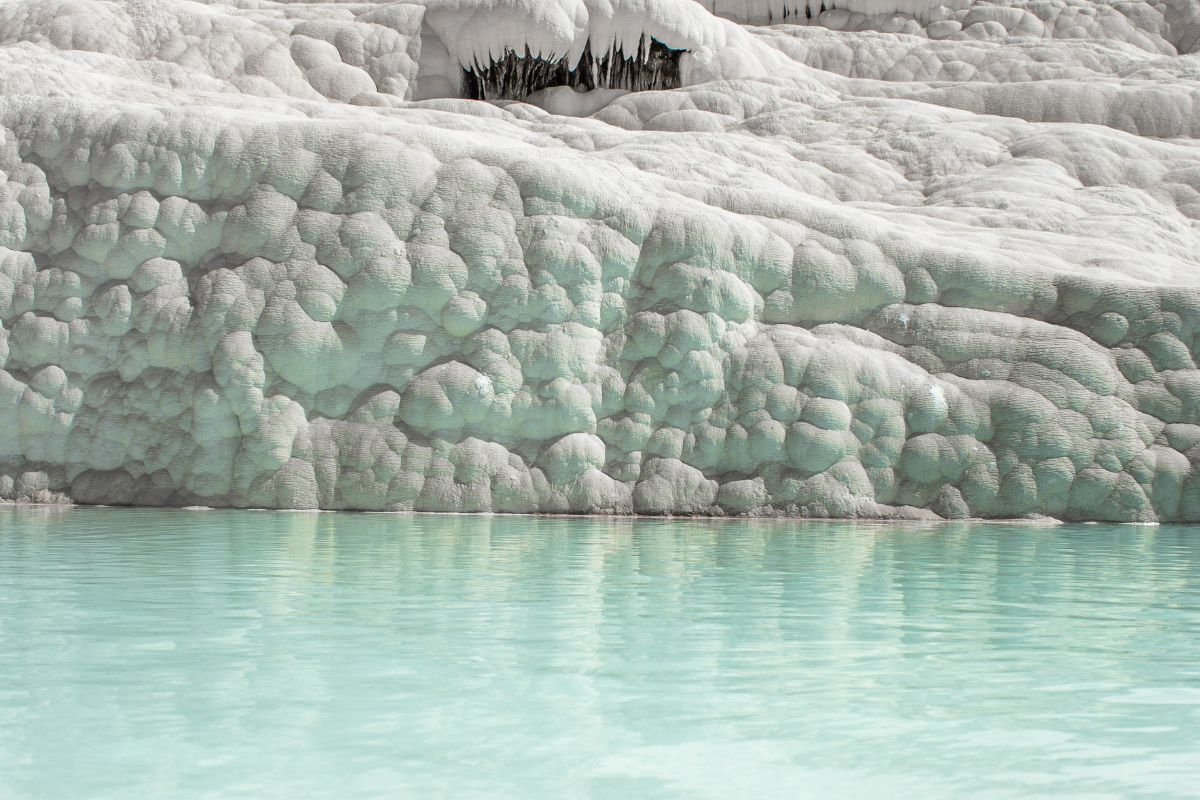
(903, 259)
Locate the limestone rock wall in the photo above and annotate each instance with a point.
(815, 294)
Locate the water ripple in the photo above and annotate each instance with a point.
(175, 654)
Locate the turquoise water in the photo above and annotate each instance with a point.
(177, 654)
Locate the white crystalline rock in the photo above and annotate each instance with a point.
(891, 261)
(1165, 26)
(155, 50)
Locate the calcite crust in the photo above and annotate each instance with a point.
(938, 261)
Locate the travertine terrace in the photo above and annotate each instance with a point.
(863, 258)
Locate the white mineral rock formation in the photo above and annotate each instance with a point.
(886, 258)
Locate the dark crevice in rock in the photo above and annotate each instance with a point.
(793, 13)
(516, 76)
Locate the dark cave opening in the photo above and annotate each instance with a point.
(515, 77)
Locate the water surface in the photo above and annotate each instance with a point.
(215, 654)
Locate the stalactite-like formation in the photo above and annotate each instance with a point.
(516, 76)
(799, 11)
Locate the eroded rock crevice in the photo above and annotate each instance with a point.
(516, 76)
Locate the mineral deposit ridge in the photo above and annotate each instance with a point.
(832, 258)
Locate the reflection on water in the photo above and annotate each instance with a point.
(250, 654)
